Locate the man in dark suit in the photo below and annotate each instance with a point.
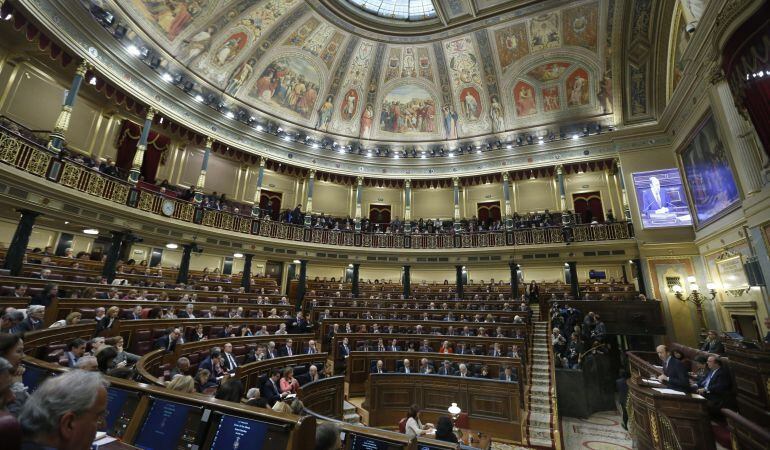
(462, 350)
(496, 352)
(674, 372)
(446, 369)
(228, 359)
(311, 348)
(345, 348)
(181, 368)
(299, 324)
(136, 313)
(406, 368)
(287, 349)
(187, 313)
(425, 347)
(75, 349)
(508, 374)
(379, 367)
(393, 347)
(168, 341)
(213, 364)
(716, 387)
(34, 320)
(270, 390)
(271, 352)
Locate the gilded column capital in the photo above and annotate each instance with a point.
(716, 75)
(82, 68)
(360, 181)
(506, 176)
(559, 170)
(209, 142)
(262, 161)
(311, 174)
(407, 183)
(456, 181)
(150, 114)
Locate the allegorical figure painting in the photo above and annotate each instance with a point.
(290, 83)
(408, 109)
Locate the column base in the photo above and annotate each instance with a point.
(457, 227)
(308, 219)
(509, 223)
(198, 197)
(407, 227)
(357, 226)
(133, 176)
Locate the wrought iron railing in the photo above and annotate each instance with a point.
(29, 156)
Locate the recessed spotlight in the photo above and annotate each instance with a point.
(167, 77)
(91, 231)
(260, 128)
(92, 81)
(315, 145)
(296, 261)
(199, 98)
(451, 155)
(368, 154)
(230, 115)
(172, 246)
(396, 156)
(509, 146)
(237, 255)
(66, 222)
(575, 137)
(287, 138)
(8, 17)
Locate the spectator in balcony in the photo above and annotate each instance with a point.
(188, 194)
(713, 344)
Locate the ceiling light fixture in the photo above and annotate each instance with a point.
(199, 98)
(172, 246)
(230, 115)
(237, 255)
(133, 50)
(296, 261)
(92, 81)
(91, 231)
(167, 77)
(9, 16)
(575, 137)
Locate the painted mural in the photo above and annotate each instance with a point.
(496, 114)
(549, 72)
(470, 102)
(680, 42)
(524, 95)
(579, 26)
(551, 100)
(408, 109)
(349, 105)
(290, 83)
(512, 44)
(463, 62)
(577, 88)
(544, 32)
(708, 174)
(172, 17)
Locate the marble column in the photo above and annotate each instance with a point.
(204, 167)
(260, 180)
(302, 284)
(743, 146)
(624, 194)
(309, 203)
(562, 188)
(141, 147)
(359, 194)
(63, 121)
(14, 257)
(407, 206)
(507, 213)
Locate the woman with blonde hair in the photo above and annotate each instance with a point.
(72, 319)
(108, 321)
(182, 383)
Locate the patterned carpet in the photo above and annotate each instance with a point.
(601, 431)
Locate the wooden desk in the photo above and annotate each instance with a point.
(358, 366)
(325, 397)
(626, 317)
(493, 407)
(688, 416)
(751, 369)
(465, 436)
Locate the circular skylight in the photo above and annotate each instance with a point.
(398, 9)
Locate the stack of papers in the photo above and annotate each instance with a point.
(652, 381)
(668, 391)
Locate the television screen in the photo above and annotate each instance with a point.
(32, 377)
(359, 442)
(234, 433)
(121, 405)
(661, 199)
(168, 426)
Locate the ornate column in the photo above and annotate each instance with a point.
(302, 285)
(573, 280)
(407, 282)
(456, 197)
(204, 166)
(184, 265)
(113, 255)
(354, 288)
(626, 210)
(459, 281)
(14, 258)
(309, 204)
(640, 275)
(246, 278)
(746, 153)
(507, 213)
(407, 206)
(260, 179)
(359, 194)
(514, 280)
(63, 121)
(562, 188)
(136, 165)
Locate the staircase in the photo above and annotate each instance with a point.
(539, 389)
(350, 414)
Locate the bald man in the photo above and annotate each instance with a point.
(674, 372)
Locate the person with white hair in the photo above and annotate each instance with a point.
(58, 416)
(6, 382)
(88, 363)
(253, 398)
(34, 320)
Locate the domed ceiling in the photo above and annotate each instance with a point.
(299, 62)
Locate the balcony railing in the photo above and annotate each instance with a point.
(29, 156)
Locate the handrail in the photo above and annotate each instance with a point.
(24, 154)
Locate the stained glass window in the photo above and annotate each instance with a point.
(398, 9)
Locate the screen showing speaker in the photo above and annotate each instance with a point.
(661, 199)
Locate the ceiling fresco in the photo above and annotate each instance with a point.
(289, 63)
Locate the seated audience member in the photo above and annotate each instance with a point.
(182, 367)
(254, 399)
(203, 381)
(72, 318)
(327, 437)
(674, 372)
(88, 363)
(288, 383)
(716, 387)
(414, 427)
(34, 320)
(379, 367)
(182, 383)
(99, 314)
(105, 359)
(344, 348)
(287, 349)
(311, 348)
(230, 390)
(58, 416)
(406, 367)
(713, 344)
(228, 359)
(108, 321)
(484, 373)
(10, 320)
(213, 363)
(444, 430)
(118, 342)
(425, 367)
(75, 350)
(463, 371)
(7, 396)
(20, 291)
(446, 368)
(168, 341)
(271, 391)
(508, 374)
(188, 312)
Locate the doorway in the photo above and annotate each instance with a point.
(379, 214)
(488, 212)
(588, 206)
(270, 201)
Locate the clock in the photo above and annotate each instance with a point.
(167, 207)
